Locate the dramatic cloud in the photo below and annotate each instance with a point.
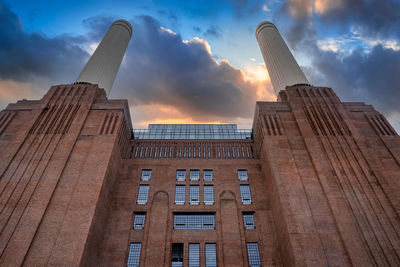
(371, 18)
(33, 56)
(163, 69)
(162, 73)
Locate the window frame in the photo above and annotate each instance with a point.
(243, 193)
(136, 217)
(142, 178)
(243, 175)
(179, 173)
(134, 253)
(180, 201)
(194, 190)
(206, 194)
(192, 175)
(253, 254)
(205, 179)
(248, 214)
(146, 194)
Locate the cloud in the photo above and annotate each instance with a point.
(163, 69)
(245, 7)
(371, 18)
(33, 56)
(363, 63)
(177, 77)
(373, 77)
(213, 31)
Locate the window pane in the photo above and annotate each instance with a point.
(208, 175)
(194, 194)
(146, 175)
(138, 222)
(134, 255)
(180, 194)
(194, 221)
(254, 255)
(194, 175)
(143, 194)
(177, 255)
(194, 255)
(248, 220)
(209, 194)
(211, 255)
(180, 175)
(245, 194)
(243, 175)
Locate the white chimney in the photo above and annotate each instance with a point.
(103, 65)
(281, 65)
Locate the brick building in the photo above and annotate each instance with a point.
(315, 182)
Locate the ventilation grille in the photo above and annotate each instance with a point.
(273, 124)
(56, 119)
(380, 125)
(5, 120)
(109, 122)
(326, 120)
(192, 150)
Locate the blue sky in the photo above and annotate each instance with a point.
(210, 68)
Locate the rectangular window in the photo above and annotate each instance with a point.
(179, 194)
(245, 193)
(143, 194)
(134, 255)
(248, 220)
(211, 254)
(180, 175)
(194, 221)
(209, 194)
(242, 174)
(146, 175)
(177, 255)
(194, 175)
(208, 175)
(194, 255)
(254, 255)
(194, 193)
(138, 221)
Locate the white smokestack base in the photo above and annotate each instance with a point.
(103, 65)
(281, 65)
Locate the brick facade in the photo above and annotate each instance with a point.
(324, 177)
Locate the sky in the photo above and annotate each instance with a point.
(198, 61)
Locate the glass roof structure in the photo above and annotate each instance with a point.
(192, 131)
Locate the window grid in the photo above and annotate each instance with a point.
(146, 175)
(143, 194)
(243, 176)
(138, 222)
(245, 194)
(180, 175)
(194, 194)
(179, 194)
(248, 220)
(194, 175)
(211, 254)
(254, 255)
(177, 255)
(209, 194)
(208, 175)
(194, 222)
(134, 255)
(194, 255)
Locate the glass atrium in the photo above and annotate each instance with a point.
(192, 131)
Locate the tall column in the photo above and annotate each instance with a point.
(282, 67)
(103, 65)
